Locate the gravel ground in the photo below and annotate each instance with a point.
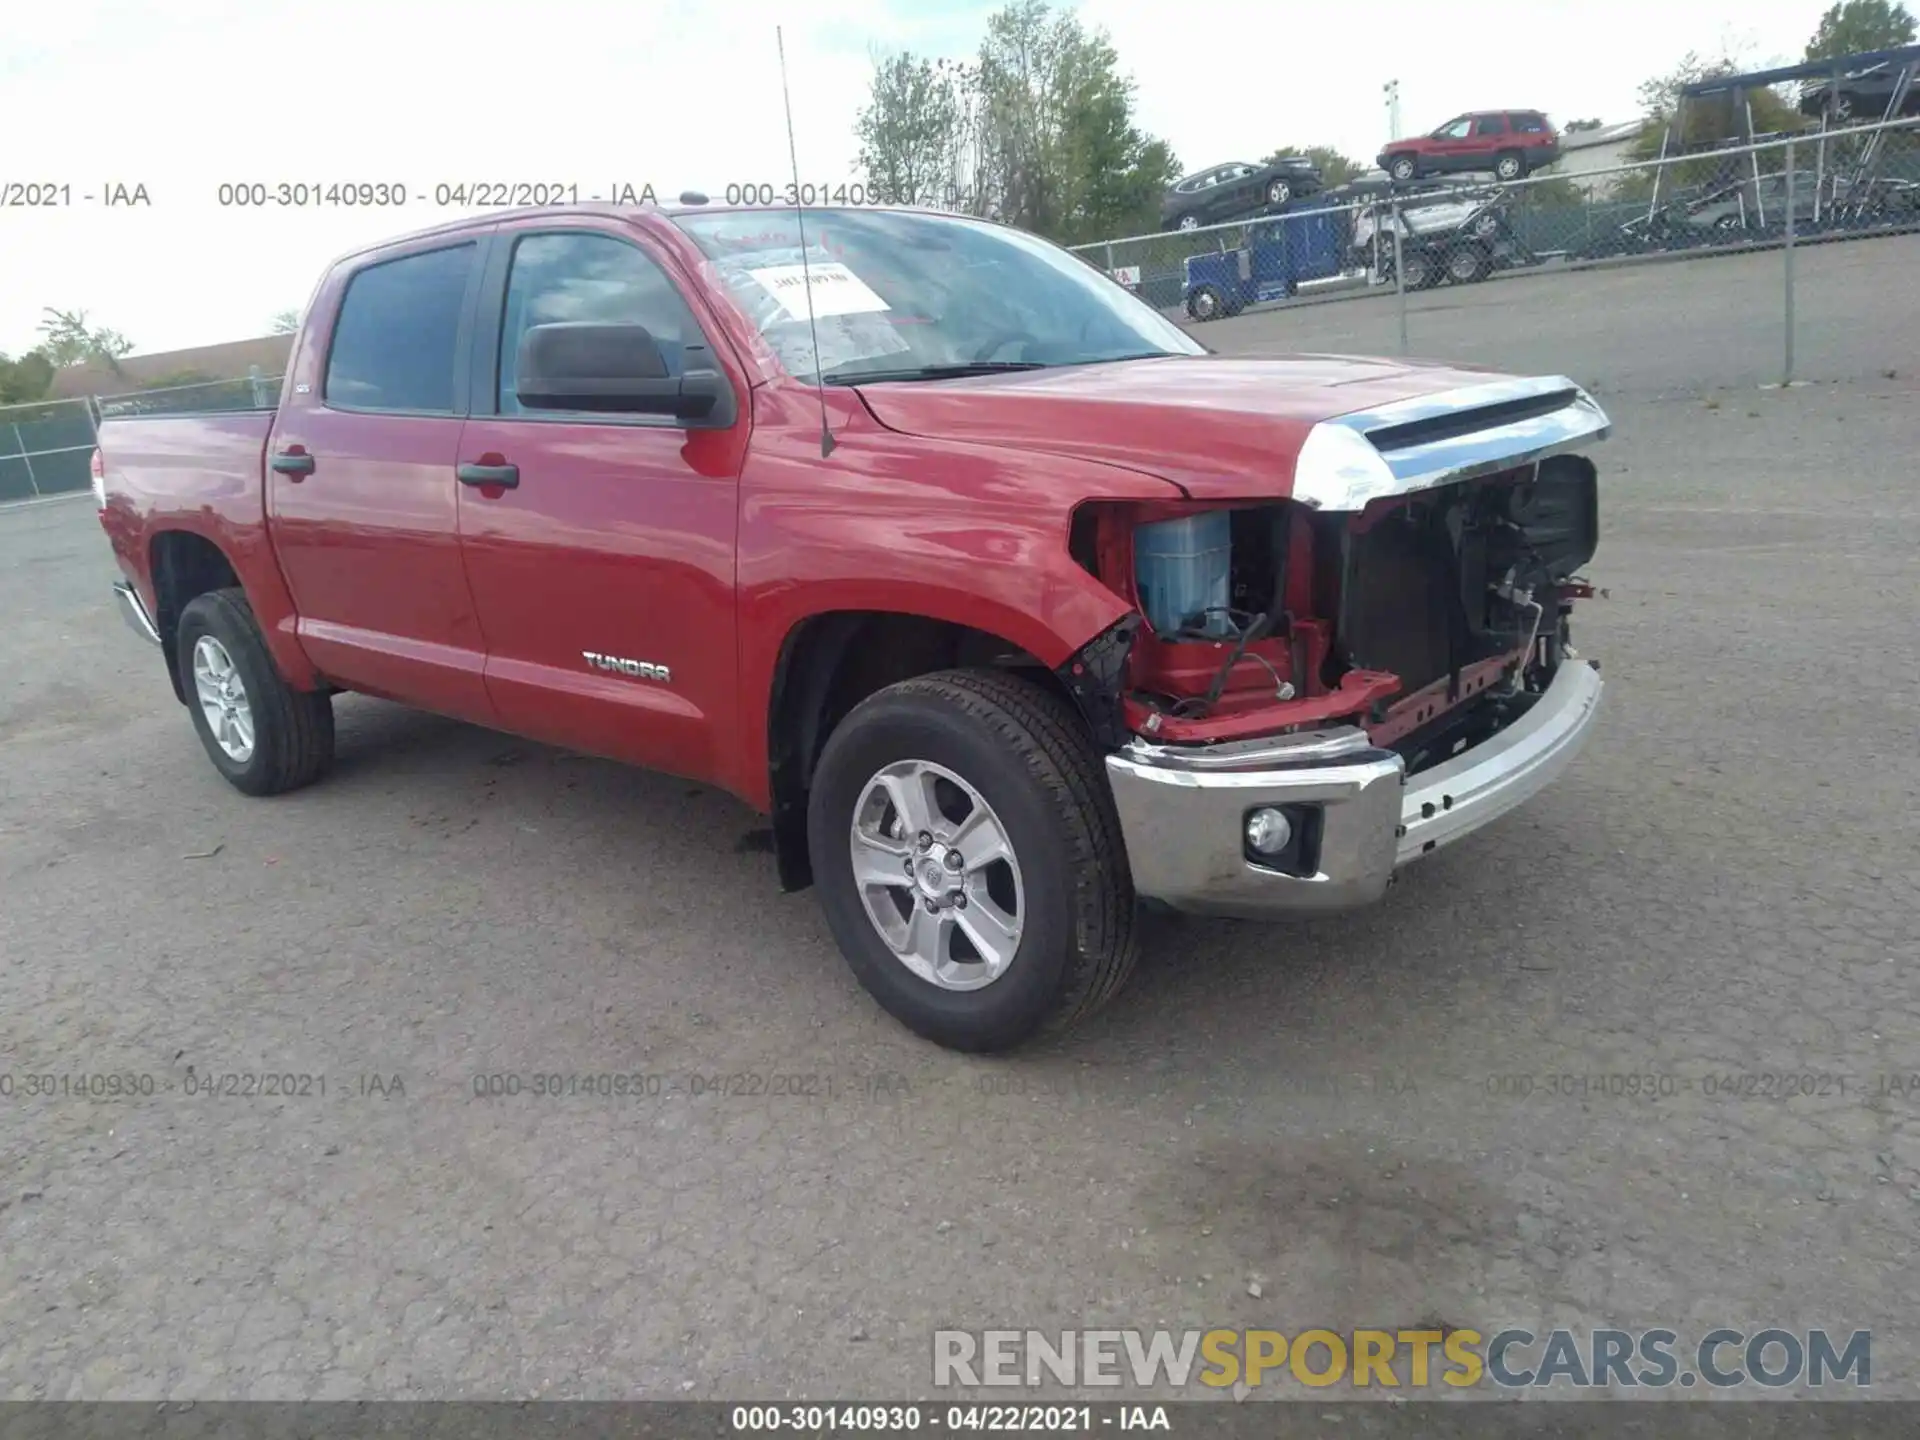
(1327, 1113)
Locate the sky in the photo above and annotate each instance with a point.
(184, 97)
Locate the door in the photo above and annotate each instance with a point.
(1452, 144)
(603, 574)
(1242, 191)
(361, 499)
(1210, 197)
(1490, 137)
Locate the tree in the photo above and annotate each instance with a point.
(70, 341)
(26, 379)
(1037, 131)
(286, 322)
(909, 130)
(1335, 168)
(1851, 26)
(1710, 121)
(1551, 192)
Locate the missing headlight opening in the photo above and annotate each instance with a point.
(1430, 618)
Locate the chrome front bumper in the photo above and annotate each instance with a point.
(1183, 808)
(134, 611)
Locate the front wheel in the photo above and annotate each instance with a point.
(1205, 303)
(262, 734)
(1279, 192)
(969, 859)
(1403, 169)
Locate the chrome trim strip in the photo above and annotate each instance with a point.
(1504, 770)
(1304, 747)
(1339, 469)
(134, 611)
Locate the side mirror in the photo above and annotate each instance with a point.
(614, 369)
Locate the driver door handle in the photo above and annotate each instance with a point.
(507, 476)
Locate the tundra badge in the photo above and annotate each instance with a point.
(639, 669)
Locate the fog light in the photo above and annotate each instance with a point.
(1268, 831)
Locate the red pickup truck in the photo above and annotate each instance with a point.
(1009, 602)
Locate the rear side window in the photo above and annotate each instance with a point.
(1530, 124)
(396, 338)
(1490, 125)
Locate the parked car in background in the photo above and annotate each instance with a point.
(1750, 205)
(1863, 96)
(1459, 236)
(1239, 187)
(1510, 144)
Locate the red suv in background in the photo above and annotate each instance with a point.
(1510, 143)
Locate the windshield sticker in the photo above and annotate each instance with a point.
(836, 290)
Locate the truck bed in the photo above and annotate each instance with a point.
(196, 472)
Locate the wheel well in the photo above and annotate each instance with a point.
(828, 665)
(185, 566)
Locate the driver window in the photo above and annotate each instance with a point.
(580, 275)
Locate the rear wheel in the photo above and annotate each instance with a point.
(1421, 271)
(1509, 166)
(1279, 192)
(1466, 264)
(969, 859)
(262, 734)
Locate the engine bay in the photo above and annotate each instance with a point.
(1420, 617)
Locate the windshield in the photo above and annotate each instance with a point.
(907, 295)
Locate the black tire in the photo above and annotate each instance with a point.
(1188, 221)
(1279, 192)
(1510, 165)
(1023, 749)
(292, 729)
(1467, 263)
(1206, 303)
(1404, 168)
(1422, 272)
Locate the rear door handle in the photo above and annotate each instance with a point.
(503, 475)
(289, 463)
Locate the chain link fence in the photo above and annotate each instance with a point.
(46, 448)
(1377, 236)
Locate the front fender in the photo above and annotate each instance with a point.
(969, 534)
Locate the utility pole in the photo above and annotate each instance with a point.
(1392, 91)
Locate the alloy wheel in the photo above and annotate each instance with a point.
(937, 875)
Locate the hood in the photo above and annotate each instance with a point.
(1219, 427)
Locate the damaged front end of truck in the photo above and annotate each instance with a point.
(1315, 690)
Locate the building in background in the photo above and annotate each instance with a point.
(1585, 152)
(235, 360)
